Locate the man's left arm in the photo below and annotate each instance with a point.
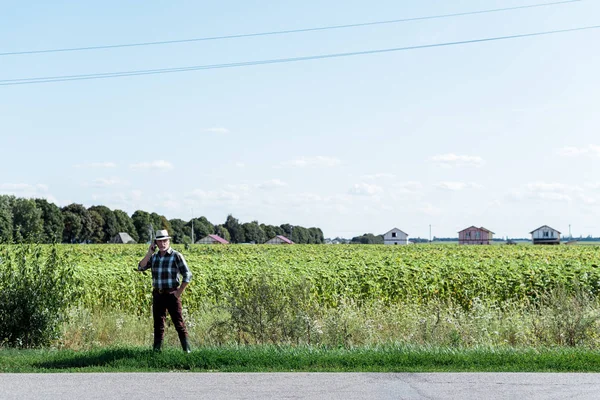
(185, 272)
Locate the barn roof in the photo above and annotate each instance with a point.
(123, 237)
(288, 241)
(218, 239)
(395, 229)
(543, 226)
(474, 227)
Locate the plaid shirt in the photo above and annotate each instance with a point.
(166, 269)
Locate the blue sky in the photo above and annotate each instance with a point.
(499, 134)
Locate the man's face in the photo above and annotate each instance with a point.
(163, 245)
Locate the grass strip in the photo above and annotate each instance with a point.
(308, 359)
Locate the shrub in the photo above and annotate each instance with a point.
(36, 288)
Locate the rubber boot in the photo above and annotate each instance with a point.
(185, 345)
(157, 346)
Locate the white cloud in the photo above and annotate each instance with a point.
(97, 165)
(240, 188)
(550, 191)
(453, 160)
(318, 161)
(15, 187)
(429, 209)
(216, 195)
(455, 186)
(572, 151)
(365, 189)
(240, 164)
(171, 204)
(219, 130)
(159, 164)
(24, 189)
(128, 200)
(28, 191)
(378, 176)
(106, 182)
(136, 194)
(271, 184)
(410, 187)
(553, 187)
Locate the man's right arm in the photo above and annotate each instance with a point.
(144, 263)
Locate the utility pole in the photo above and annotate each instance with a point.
(570, 236)
(429, 233)
(193, 226)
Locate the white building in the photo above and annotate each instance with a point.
(395, 236)
(545, 235)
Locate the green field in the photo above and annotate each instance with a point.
(348, 296)
(410, 274)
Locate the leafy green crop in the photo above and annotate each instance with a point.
(415, 274)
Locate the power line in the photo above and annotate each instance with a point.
(323, 28)
(105, 75)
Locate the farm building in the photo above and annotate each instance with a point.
(279, 239)
(212, 239)
(474, 235)
(122, 237)
(395, 236)
(545, 235)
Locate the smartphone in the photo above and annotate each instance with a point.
(154, 246)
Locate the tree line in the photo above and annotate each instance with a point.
(38, 220)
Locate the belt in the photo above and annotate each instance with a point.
(165, 291)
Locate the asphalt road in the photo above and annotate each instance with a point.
(346, 386)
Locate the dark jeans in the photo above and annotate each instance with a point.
(160, 304)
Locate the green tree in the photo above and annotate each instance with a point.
(315, 235)
(72, 227)
(202, 227)
(165, 224)
(287, 230)
(27, 220)
(141, 221)
(125, 224)
(223, 232)
(109, 228)
(367, 238)
(98, 223)
(269, 231)
(52, 218)
(177, 232)
(6, 219)
(156, 221)
(300, 235)
(253, 232)
(235, 229)
(87, 228)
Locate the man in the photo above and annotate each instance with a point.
(166, 267)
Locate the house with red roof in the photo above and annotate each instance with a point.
(212, 239)
(279, 239)
(474, 235)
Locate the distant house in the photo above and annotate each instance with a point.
(474, 235)
(212, 239)
(395, 236)
(122, 238)
(545, 235)
(279, 239)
